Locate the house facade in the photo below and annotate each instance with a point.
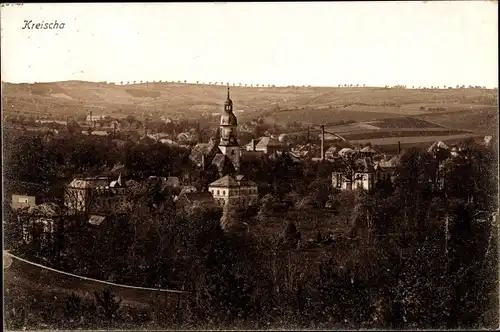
(234, 191)
(22, 201)
(364, 173)
(96, 196)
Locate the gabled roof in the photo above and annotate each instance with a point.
(332, 149)
(45, 209)
(96, 220)
(368, 149)
(266, 142)
(345, 151)
(221, 161)
(438, 146)
(81, 184)
(117, 183)
(396, 160)
(225, 181)
(84, 183)
(229, 181)
(202, 149)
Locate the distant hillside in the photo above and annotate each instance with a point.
(277, 104)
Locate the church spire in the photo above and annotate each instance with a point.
(228, 105)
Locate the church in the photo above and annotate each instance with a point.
(232, 188)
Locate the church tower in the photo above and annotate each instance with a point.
(228, 144)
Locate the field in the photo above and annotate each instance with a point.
(380, 115)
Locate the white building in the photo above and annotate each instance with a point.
(234, 191)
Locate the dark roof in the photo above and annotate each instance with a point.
(202, 149)
(45, 209)
(221, 161)
(229, 181)
(252, 156)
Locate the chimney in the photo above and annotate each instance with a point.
(322, 142)
(203, 162)
(253, 144)
(399, 147)
(90, 115)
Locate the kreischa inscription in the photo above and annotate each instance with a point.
(30, 25)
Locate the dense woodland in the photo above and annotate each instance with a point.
(405, 255)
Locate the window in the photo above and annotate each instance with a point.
(339, 180)
(223, 192)
(218, 192)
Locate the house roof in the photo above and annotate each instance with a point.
(229, 181)
(96, 220)
(332, 149)
(251, 156)
(345, 151)
(266, 142)
(167, 141)
(80, 183)
(201, 149)
(221, 161)
(45, 209)
(438, 145)
(117, 183)
(368, 149)
(396, 160)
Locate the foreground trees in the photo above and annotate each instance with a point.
(416, 255)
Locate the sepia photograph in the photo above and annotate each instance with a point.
(250, 166)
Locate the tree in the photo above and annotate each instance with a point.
(267, 204)
(106, 303)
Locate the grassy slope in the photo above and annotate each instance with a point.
(315, 104)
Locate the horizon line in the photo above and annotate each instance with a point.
(259, 85)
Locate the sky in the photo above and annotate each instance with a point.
(320, 44)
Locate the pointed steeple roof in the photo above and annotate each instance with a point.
(228, 100)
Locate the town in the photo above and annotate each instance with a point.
(307, 193)
(318, 166)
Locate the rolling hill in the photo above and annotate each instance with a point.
(382, 115)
